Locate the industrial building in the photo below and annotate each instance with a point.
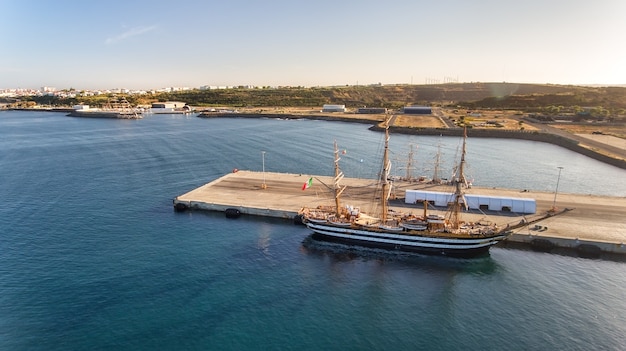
(170, 107)
(474, 202)
(334, 108)
(418, 110)
(372, 110)
(169, 104)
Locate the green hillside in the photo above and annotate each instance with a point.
(395, 96)
(528, 97)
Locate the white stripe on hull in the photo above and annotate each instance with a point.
(408, 240)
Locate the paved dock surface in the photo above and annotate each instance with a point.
(593, 219)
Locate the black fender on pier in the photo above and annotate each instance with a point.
(232, 213)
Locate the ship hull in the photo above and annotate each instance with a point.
(453, 247)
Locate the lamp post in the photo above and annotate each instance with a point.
(263, 186)
(557, 189)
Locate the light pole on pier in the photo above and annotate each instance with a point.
(263, 186)
(557, 189)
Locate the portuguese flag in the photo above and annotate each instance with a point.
(308, 184)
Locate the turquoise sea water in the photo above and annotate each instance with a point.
(92, 256)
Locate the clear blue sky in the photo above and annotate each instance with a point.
(153, 44)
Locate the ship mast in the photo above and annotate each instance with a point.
(336, 186)
(384, 176)
(409, 164)
(437, 163)
(455, 221)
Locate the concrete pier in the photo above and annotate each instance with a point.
(595, 226)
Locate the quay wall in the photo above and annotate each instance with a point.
(554, 139)
(554, 245)
(42, 109)
(252, 211)
(569, 234)
(325, 117)
(567, 246)
(549, 138)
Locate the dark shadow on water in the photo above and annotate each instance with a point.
(345, 253)
(219, 215)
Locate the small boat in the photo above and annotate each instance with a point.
(339, 223)
(392, 227)
(414, 225)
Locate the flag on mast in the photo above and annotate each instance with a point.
(307, 184)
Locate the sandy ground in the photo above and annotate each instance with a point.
(606, 139)
(493, 119)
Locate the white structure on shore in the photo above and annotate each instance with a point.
(474, 202)
(334, 108)
(170, 107)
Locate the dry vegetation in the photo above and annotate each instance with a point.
(490, 105)
(418, 121)
(614, 130)
(491, 119)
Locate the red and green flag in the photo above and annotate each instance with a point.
(307, 184)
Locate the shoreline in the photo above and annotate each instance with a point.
(545, 137)
(531, 135)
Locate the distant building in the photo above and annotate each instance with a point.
(170, 107)
(168, 104)
(214, 87)
(418, 110)
(334, 108)
(474, 202)
(372, 110)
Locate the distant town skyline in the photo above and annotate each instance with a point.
(151, 45)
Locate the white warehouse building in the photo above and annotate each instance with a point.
(333, 108)
(474, 202)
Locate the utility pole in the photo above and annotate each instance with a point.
(263, 186)
(557, 189)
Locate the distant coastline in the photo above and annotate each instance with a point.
(549, 138)
(544, 137)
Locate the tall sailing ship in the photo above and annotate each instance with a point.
(428, 234)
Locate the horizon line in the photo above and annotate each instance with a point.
(53, 88)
